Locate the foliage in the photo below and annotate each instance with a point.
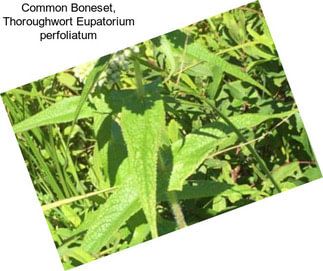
(170, 132)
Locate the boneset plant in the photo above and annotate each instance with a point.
(194, 123)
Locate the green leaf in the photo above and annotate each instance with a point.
(124, 203)
(71, 215)
(191, 151)
(107, 220)
(237, 90)
(235, 28)
(202, 69)
(289, 184)
(117, 151)
(285, 171)
(201, 189)
(79, 254)
(236, 192)
(142, 121)
(313, 174)
(89, 86)
(60, 112)
(139, 234)
(198, 51)
(173, 129)
(67, 80)
(212, 89)
(166, 48)
(265, 38)
(219, 204)
(30, 94)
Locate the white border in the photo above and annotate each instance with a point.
(283, 232)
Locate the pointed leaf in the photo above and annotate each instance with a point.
(60, 112)
(197, 51)
(142, 121)
(107, 220)
(191, 151)
(124, 203)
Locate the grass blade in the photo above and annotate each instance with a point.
(73, 199)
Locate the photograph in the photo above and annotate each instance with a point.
(161, 135)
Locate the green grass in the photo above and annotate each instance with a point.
(162, 135)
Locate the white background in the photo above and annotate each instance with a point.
(283, 232)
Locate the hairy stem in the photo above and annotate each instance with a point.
(177, 210)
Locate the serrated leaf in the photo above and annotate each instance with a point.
(202, 69)
(198, 51)
(142, 121)
(60, 112)
(113, 214)
(125, 202)
(191, 151)
(251, 120)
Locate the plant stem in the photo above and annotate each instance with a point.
(250, 148)
(138, 75)
(177, 210)
(89, 86)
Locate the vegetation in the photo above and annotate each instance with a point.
(162, 135)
